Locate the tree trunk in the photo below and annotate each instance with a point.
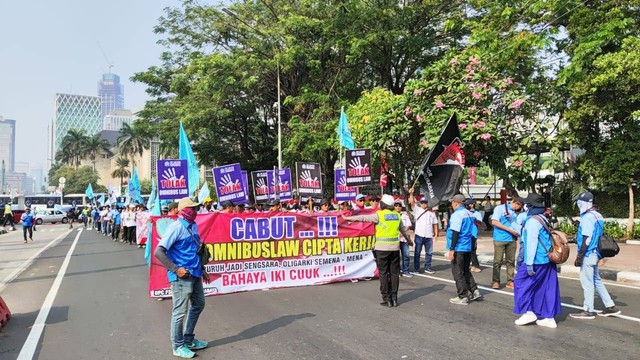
(631, 213)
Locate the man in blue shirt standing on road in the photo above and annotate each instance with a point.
(590, 230)
(27, 224)
(459, 245)
(504, 240)
(178, 252)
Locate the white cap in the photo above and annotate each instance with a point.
(388, 199)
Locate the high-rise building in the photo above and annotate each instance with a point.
(116, 119)
(78, 112)
(111, 94)
(8, 143)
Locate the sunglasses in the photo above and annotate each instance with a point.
(360, 200)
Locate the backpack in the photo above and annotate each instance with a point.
(607, 247)
(559, 252)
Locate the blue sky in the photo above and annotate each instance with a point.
(52, 46)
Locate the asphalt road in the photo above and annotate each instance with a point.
(95, 292)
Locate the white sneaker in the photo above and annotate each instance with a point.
(526, 318)
(550, 323)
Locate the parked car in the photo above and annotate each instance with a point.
(17, 215)
(50, 216)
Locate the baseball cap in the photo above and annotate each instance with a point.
(534, 200)
(459, 198)
(186, 202)
(207, 200)
(325, 201)
(585, 196)
(360, 196)
(469, 201)
(388, 199)
(424, 200)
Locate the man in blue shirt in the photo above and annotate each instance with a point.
(27, 224)
(589, 232)
(504, 240)
(459, 245)
(178, 251)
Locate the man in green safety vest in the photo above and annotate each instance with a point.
(388, 224)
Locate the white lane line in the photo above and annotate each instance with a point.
(31, 344)
(29, 261)
(571, 306)
(559, 276)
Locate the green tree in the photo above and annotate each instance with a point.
(121, 171)
(72, 147)
(133, 140)
(145, 186)
(602, 81)
(96, 145)
(77, 179)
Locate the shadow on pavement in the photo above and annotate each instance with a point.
(78, 273)
(414, 294)
(261, 329)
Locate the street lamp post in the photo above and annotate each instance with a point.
(233, 15)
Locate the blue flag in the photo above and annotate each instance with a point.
(134, 188)
(152, 197)
(101, 200)
(203, 193)
(155, 212)
(89, 191)
(344, 134)
(186, 153)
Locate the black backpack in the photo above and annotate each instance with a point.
(607, 246)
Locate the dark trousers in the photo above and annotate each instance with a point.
(389, 272)
(486, 219)
(474, 252)
(28, 229)
(465, 283)
(504, 250)
(8, 219)
(131, 234)
(115, 234)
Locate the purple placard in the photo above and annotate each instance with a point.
(341, 190)
(284, 185)
(228, 180)
(173, 179)
(245, 186)
(260, 188)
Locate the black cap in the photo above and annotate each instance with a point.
(274, 202)
(584, 196)
(227, 204)
(172, 205)
(469, 201)
(325, 201)
(534, 200)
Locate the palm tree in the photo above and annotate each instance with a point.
(96, 145)
(121, 171)
(72, 147)
(133, 141)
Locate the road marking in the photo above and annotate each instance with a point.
(28, 262)
(630, 318)
(559, 276)
(31, 344)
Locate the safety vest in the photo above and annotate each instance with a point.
(387, 227)
(7, 209)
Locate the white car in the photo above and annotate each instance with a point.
(50, 216)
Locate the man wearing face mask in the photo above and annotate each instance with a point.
(178, 252)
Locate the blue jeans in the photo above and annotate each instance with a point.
(417, 251)
(591, 281)
(404, 250)
(184, 291)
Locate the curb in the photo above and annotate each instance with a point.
(3, 231)
(570, 270)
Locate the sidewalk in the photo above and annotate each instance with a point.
(624, 267)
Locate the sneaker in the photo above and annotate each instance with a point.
(509, 285)
(429, 271)
(459, 301)
(196, 344)
(526, 318)
(550, 323)
(183, 352)
(495, 285)
(584, 315)
(407, 275)
(609, 311)
(475, 296)
(475, 269)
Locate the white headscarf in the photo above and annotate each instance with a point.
(584, 206)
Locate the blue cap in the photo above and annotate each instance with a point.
(584, 196)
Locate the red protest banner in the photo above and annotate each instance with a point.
(271, 250)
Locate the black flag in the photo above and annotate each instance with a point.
(444, 165)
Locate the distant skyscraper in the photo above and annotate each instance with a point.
(111, 94)
(73, 112)
(116, 119)
(8, 143)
